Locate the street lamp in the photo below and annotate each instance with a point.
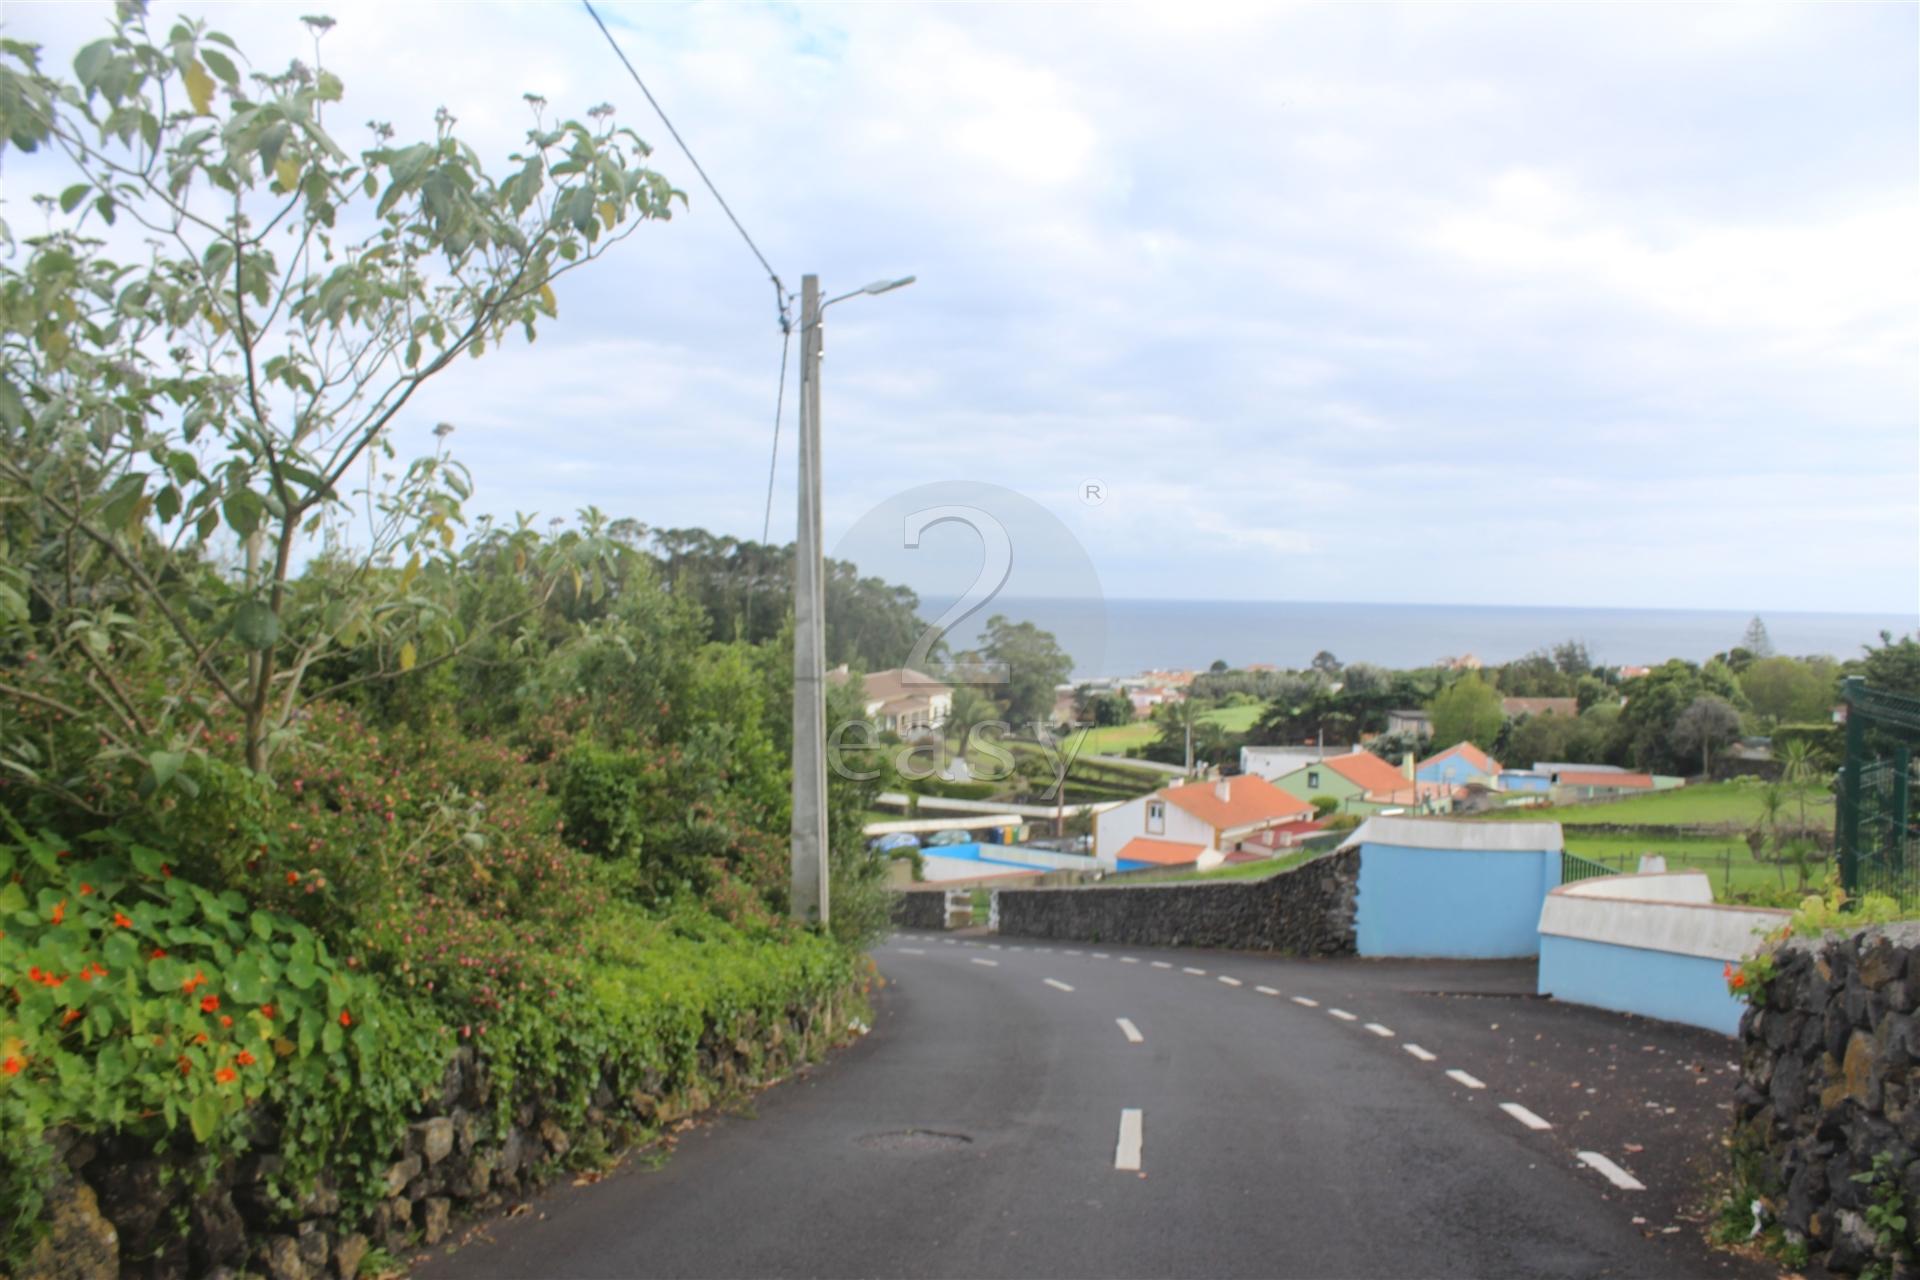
(809, 826)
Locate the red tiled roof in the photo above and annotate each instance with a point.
(1164, 853)
(1251, 799)
(1631, 781)
(1367, 771)
(1468, 752)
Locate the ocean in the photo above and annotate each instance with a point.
(1121, 637)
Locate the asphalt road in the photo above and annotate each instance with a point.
(989, 1125)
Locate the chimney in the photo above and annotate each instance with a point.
(1223, 790)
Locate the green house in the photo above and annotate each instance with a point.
(1360, 781)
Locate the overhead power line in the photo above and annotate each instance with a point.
(779, 290)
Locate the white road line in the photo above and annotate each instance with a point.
(1070, 951)
(1266, 991)
(1131, 1032)
(1611, 1172)
(1379, 1030)
(950, 942)
(1126, 1152)
(993, 946)
(1343, 1015)
(1524, 1116)
(1418, 1052)
(1460, 1077)
(1044, 950)
(1161, 964)
(1101, 955)
(991, 964)
(1058, 985)
(1198, 973)
(1016, 948)
(1311, 1004)
(910, 951)
(1232, 982)
(1129, 959)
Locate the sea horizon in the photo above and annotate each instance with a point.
(1120, 637)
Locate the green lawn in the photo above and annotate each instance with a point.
(1118, 739)
(1705, 805)
(1238, 871)
(1736, 876)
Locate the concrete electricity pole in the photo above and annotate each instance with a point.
(809, 829)
(809, 832)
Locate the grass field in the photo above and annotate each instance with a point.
(1238, 871)
(1119, 739)
(1705, 805)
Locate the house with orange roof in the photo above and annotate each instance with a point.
(1361, 782)
(1193, 823)
(1457, 766)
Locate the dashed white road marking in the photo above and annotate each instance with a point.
(910, 951)
(993, 946)
(1044, 950)
(1058, 985)
(1524, 1116)
(1101, 955)
(1611, 1172)
(1343, 1015)
(950, 942)
(1311, 1004)
(1129, 960)
(1161, 964)
(1460, 1077)
(1232, 982)
(1016, 948)
(1418, 1052)
(1379, 1030)
(991, 964)
(1070, 951)
(1266, 991)
(1126, 1152)
(1198, 973)
(1131, 1032)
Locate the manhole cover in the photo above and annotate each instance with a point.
(916, 1140)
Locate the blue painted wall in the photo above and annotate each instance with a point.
(1525, 782)
(1454, 771)
(1655, 984)
(1466, 903)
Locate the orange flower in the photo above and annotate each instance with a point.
(201, 1038)
(12, 1066)
(120, 919)
(245, 1059)
(266, 1011)
(1739, 980)
(293, 877)
(72, 1016)
(224, 1075)
(226, 1020)
(198, 979)
(86, 890)
(346, 1019)
(60, 911)
(210, 1004)
(186, 1065)
(158, 954)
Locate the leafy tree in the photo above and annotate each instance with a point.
(1644, 731)
(219, 392)
(1219, 665)
(1102, 709)
(1789, 690)
(1893, 666)
(1572, 659)
(1468, 710)
(1537, 675)
(1708, 723)
(1756, 641)
(1326, 664)
(1036, 664)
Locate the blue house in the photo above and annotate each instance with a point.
(1435, 887)
(1458, 765)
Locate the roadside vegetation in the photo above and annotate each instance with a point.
(307, 781)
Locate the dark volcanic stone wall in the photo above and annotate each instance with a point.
(1306, 911)
(1827, 1083)
(920, 908)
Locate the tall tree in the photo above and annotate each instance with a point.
(1036, 664)
(1707, 724)
(1756, 640)
(1468, 710)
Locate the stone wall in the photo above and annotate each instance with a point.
(1827, 1083)
(1308, 910)
(920, 908)
(114, 1210)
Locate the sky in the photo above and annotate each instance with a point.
(1548, 305)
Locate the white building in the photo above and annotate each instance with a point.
(901, 699)
(1192, 823)
(1278, 762)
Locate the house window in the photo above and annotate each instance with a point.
(1313, 779)
(1156, 817)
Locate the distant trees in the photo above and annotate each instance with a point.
(1894, 666)
(1468, 710)
(1790, 690)
(1655, 703)
(1583, 738)
(1102, 709)
(1326, 664)
(1035, 665)
(1756, 641)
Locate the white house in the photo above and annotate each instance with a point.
(901, 699)
(1278, 762)
(1192, 823)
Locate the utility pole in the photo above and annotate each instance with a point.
(809, 830)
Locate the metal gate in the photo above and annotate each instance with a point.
(1878, 845)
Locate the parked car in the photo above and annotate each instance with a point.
(952, 835)
(898, 840)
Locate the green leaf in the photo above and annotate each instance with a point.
(164, 765)
(91, 61)
(221, 65)
(255, 625)
(204, 1115)
(12, 899)
(199, 87)
(70, 198)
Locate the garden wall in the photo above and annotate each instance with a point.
(1827, 1084)
(920, 908)
(1655, 945)
(113, 1212)
(1308, 910)
(1436, 887)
